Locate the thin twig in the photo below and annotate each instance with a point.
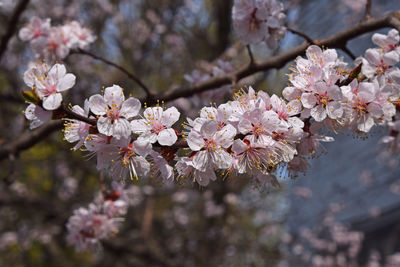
(250, 54)
(301, 34)
(122, 69)
(367, 14)
(12, 25)
(72, 115)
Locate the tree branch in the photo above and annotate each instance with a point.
(12, 25)
(133, 77)
(303, 35)
(367, 14)
(29, 139)
(338, 40)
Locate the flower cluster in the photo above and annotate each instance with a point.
(335, 98)
(100, 220)
(259, 20)
(55, 42)
(47, 85)
(253, 134)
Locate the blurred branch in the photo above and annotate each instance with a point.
(133, 77)
(11, 98)
(338, 40)
(303, 35)
(250, 55)
(367, 14)
(29, 139)
(12, 25)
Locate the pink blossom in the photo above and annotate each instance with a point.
(49, 86)
(77, 130)
(210, 144)
(156, 125)
(258, 20)
(37, 115)
(113, 111)
(35, 29)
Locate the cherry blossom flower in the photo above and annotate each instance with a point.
(36, 115)
(186, 169)
(50, 86)
(389, 42)
(210, 144)
(83, 36)
(129, 159)
(35, 29)
(251, 156)
(362, 109)
(156, 125)
(258, 20)
(87, 227)
(260, 124)
(323, 101)
(114, 111)
(160, 166)
(76, 130)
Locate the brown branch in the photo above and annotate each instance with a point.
(250, 55)
(338, 40)
(29, 139)
(367, 14)
(12, 25)
(11, 98)
(75, 116)
(301, 34)
(133, 77)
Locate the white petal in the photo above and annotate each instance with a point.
(334, 110)
(153, 113)
(97, 105)
(200, 160)
(66, 82)
(114, 96)
(375, 110)
(57, 72)
(121, 128)
(140, 126)
(195, 141)
(52, 102)
(104, 125)
(130, 108)
(222, 159)
(318, 113)
(294, 107)
(366, 125)
(225, 136)
(170, 116)
(209, 128)
(308, 100)
(239, 146)
(167, 137)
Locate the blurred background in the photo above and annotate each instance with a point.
(344, 211)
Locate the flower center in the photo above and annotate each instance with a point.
(157, 127)
(322, 99)
(113, 113)
(254, 22)
(257, 130)
(360, 107)
(50, 89)
(210, 144)
(127, 153)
